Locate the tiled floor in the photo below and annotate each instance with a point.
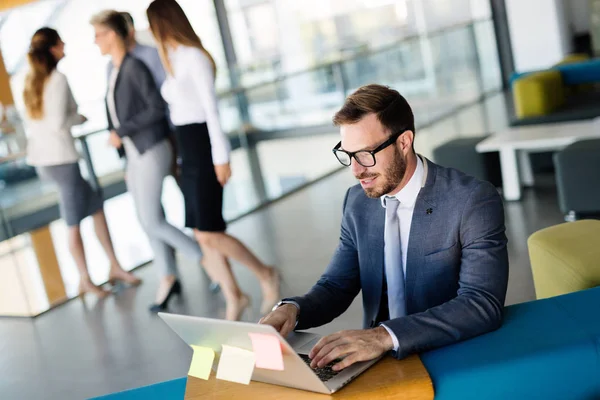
(85, 349)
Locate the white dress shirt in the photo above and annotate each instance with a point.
(110, 97)
(130, 149)
(190, 93)
(49, 139)
(407, 198)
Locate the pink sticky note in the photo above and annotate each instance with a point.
(267, 351)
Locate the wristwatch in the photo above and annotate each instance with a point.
(284, 301)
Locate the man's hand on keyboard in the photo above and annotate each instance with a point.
(352, 346)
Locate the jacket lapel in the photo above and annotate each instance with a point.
(123, 63)
(419, 231)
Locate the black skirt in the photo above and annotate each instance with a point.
(202, 192)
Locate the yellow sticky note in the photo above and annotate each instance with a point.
(236, 365)
(267, 351)
(202, 362)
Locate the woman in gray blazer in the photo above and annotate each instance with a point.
(137, 121)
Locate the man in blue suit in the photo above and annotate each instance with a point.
(424, 243)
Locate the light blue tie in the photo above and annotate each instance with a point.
(393, 260)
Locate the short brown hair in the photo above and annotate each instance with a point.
(114, 21)
(391, 108)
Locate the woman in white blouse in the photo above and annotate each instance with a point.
(190, 92)
(50, 113)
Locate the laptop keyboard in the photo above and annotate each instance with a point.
(325, 373)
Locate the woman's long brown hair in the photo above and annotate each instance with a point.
(168, 23)
(41, 63)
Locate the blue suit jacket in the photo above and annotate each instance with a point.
(456, 266)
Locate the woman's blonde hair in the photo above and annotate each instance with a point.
(41, 64)
(168, 22)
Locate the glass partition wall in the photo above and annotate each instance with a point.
(296, 63)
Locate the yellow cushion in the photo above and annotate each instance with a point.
(565, 258)
(538, 94)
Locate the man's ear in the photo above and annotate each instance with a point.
(406, 141)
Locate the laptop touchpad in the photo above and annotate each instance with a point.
(307, 347)
(302, 342)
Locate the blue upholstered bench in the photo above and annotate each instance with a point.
(168, 390)
(546, 349)
(572, 73)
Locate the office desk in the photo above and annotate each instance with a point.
(388, 379)
(515, 144)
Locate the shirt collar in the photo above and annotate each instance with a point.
(407, 196)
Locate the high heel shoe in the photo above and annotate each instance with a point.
(175, 289)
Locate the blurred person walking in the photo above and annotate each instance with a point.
(149, 56)
(51, 112)
(189, 89)
(137, 121)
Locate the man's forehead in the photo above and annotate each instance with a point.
(362, 136)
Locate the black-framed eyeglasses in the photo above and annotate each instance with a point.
(366, 158)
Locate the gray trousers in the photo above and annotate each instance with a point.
(145, 175)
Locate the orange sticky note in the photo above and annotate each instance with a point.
(267, 351)
(202, 362)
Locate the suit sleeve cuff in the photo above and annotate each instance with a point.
(394, 338)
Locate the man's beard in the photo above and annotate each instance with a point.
(391, 178)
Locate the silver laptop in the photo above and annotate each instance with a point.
(213, 333)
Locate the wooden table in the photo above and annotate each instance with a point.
(388, 379)
(515, 144)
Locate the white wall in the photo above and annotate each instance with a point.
(539, 32)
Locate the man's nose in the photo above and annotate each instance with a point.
(356, 168)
